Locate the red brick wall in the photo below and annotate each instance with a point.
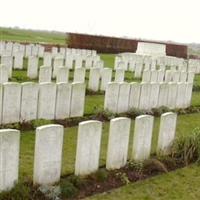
(105, 44)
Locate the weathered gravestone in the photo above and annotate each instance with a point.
(48, 154)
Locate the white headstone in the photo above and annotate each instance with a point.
(154, 96)
(190, 78)
(48, 154)
(106, 77)
(63, 100)
(45, 74)
(161, 75)
(118, 143)
(88, 62)
(69, 62)
(79, 75)
(168, 76)
(3, 74)
(18, 60)
(134, 97)
(9, 151)
(88, 147)
(119, 75)
(138, 70)
(78, 62)
(111, 97)
(172, 95)
(8, 62)
(183, 77)
(46, 101)
(146, 76)
(154, 76)
(176, 76)
(32, 71)
(181, 91)
(11, 102)
(29, 101)
(163, 95)
(145, 96)
(58, 62)
(1, 102)
(166, 133)
(94, 79)
(188, 95)
(123, 97)
(142, 137)
(77, 100)
(62, 75)
(47, 61)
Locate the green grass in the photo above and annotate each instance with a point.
(20, 35)
(186, 123)
(108, 59)
(182, 184)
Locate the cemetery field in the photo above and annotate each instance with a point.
(21, 35)
(185, 125)
(181, 184)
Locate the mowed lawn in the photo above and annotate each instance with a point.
(185, 125)
(20, 35)
(182, 184)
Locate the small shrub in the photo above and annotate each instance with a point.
(68, 190)
(123, 177)
(159, 111)
(76, 181)
(19, 192)
(187, 148)
(101, 175)
(137, 166)
(152, 166)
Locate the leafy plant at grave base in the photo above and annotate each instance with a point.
(101, 175)
(104, 115)
(169, 162)
(76, 181)
(159, 111)
(40, 122)
(196, 88)
(91, 92)
(187, 148)
(136, 166)
(123, 177)
(10, 126)
(68, 190)
(153, 166)
(21, 191)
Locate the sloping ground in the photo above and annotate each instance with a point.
(21, 35)
(182, 184)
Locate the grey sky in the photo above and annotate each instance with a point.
(176, 20)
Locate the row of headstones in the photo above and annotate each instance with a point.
(139, 68)
(17, 62)
(71, 51)
(128, 61)
(98, 78)
(136, 64)
(49, 145)
(123, 97)
(74, 62)
(167, 76)
(29, 101)
(195, 65)
(10, 48)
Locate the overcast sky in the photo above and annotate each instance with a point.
(177, 20)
